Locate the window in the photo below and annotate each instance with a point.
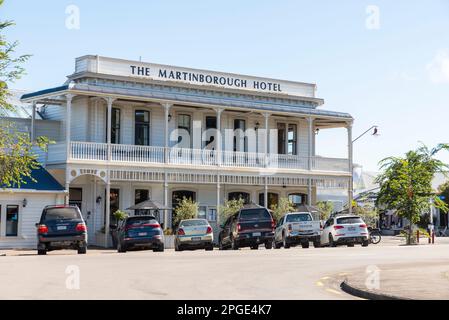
(115, 125)
(114, 204)
(273, 199)
(142, 128)
(240, 141)
(299, 217)
(202, 212)
(254, 214)
(185, 130)
(291, 139)
(281, 138)
(12, 221)
(211, 124)
(239, 195)
(141, 195)
(212, 214)
(76, 197)
(297, 199)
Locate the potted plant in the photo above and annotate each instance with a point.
(119, 215)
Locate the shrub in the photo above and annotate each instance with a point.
(284, 206)
(229, 208)
(187, 209)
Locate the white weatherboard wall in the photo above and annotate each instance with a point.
(28, 216)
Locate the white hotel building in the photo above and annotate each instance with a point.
(162, 141)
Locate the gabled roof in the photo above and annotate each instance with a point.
(44, 181)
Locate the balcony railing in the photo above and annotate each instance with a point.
(201, 157)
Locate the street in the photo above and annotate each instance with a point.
(295, 273)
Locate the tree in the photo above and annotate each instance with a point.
(17, 158)
(187, 209)
(230, 207)
(284, 206)
(406, 183)
(325, 208)
(444, 192)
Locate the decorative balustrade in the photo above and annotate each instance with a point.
(202, 157)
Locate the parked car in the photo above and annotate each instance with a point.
(345, 229)
(194, 234)
(61, 227)
(297, 228)
(250, 227)
(142, 232)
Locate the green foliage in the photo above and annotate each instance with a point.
(369, 214)
(187, 209)
(444, 191)
(411, 238)
(325, 208)
(120, 215)
(168, 232)
(284, 206)
(229, 208)
(406, 183)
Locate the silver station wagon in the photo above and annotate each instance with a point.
(194, 234)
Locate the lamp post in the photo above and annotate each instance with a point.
(375, 133)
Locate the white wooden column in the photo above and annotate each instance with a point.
(108, 210)
(267, 137)
(167, 107)
(109, 101)
(166, 212)
(265, 196)
(33, 120)
(350, 167)
(218, 200)
(68, 124)
(310, 155)
(218, 137)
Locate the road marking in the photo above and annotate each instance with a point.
(325, 278)
(319, 284)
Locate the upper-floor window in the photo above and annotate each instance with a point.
(287, 138)
(240, 141)
(211, 126)
(184, 130)
(115, 125)
(142, 128)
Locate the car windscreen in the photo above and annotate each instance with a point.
(298, 217)
(191, 223)
(138, 221)
(255, 214)
(61, 214)
(349, 220)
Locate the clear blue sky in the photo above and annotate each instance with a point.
(396, 76)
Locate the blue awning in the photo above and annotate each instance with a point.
(44, 181)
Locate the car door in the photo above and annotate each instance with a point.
(279, 228)
(226, 230)
(325, 234)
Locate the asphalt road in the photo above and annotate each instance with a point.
(294, 273)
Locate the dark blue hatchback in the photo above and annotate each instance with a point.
(140, 232)
(61, 227)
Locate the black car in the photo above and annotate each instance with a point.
(250, 227)
(61, 227)
(140, 232)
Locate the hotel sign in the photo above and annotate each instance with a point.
(190, 76)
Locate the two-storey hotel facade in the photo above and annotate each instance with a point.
(128, 131)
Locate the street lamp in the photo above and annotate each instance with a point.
(375, 133)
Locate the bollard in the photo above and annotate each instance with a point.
(433, 237)
(417, 236)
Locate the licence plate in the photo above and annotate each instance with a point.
(257, 234)
(142, 234)
(351, 228)
(196, 238)
(61, 228)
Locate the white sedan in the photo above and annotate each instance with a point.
(345, 229)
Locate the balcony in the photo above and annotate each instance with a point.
(120, 153)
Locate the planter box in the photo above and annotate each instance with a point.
(169, 242)
(100, 240)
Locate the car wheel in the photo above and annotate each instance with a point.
(331, 241)
(285, 244)
(255, 247)
(121, 248)
(234, 245)
(317, 244)
(220, 245)
(82, 250)
(210, 247)
(277, 245)
(350, 245)
(159, 249)
(365, 243)
(268, 245)
(305, 245)
(41, 252)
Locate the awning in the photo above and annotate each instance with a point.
(148, 205)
